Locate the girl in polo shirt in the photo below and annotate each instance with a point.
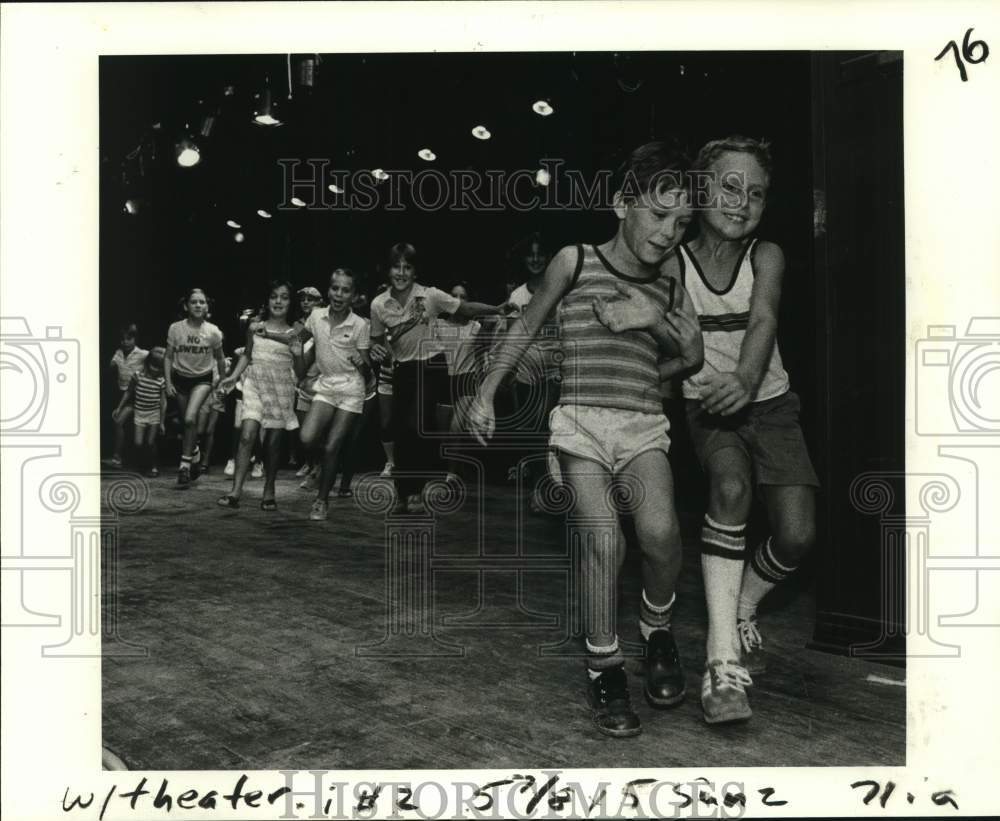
(340, 350)
(404, 315)
(193, 344)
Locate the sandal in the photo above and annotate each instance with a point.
(268, 504)
(228, 501)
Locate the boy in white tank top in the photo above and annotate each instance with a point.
(742, 417)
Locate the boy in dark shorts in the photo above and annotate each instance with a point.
(743, 418)
(608, 429)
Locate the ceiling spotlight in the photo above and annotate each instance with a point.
(379, 174)
(542, 108)
(264, 110)
(228, 91)
(238, 237)
(427, 154)
(542, 176)
(263, 214)
(208, 123)
(481, 133)
(188, 154)
(296, 202)
(233, 224)
(336, 189)
(132, 206)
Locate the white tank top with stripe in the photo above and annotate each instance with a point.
(723, 316)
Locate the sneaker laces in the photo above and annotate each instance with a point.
(732, 675)
(749, 634)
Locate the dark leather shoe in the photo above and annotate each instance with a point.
(664, 676)
(609, 698)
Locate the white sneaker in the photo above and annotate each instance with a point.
(387, 470)
(230, 467)
(311, 482)
(258, 471)
(303, 471)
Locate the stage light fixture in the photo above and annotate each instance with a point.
(238, 237)
(265, 109)
(542, 108)
(480, 132)
(263, 214)
(298, 203)
(208, 124)
(233, 224)
(188, 154)
(379, 174)
(542, 177)
(336, 189)
(132, 206)
(427, 154)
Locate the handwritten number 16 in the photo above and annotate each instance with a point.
(968, 52)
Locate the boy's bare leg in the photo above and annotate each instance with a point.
(594, 523)
(648, 477)
(791, 511)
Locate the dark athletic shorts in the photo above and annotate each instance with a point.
(185, 384)
(767, 432)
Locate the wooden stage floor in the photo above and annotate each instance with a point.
(253, 623)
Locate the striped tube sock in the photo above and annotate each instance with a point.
(185, 462)
(601, 658)
(654, 616)
(762, 573)
(723, 548)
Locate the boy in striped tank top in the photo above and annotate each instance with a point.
(146, 395)
(743, 419)
(608, 429)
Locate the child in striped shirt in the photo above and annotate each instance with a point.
(147, 397)
(609, 430)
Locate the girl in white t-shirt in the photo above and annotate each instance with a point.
(193, 345)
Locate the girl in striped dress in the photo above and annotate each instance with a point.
(147, 396)
(273, 363)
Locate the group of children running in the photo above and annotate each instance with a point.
(598, 331)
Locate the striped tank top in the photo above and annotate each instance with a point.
(148, 391)
(601, 368)
(724, 316)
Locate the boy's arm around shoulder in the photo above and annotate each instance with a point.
(765, 299)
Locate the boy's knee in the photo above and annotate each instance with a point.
(731, 491)
(793, 542)
(247, 439)
(660, 537)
